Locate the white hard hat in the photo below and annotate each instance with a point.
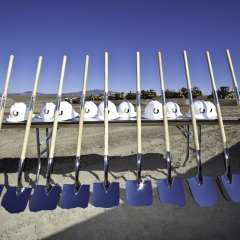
(211, 110)
(201, 108)
(47, 112)
(153, 110)
(90, 110)
(18, 112)
(173, 110)
(112, 111)
(126, 110)
(66, 111)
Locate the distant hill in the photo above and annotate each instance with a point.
(95, 92)
(29, 93)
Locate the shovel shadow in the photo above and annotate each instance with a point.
(64, 166)
(91, 163)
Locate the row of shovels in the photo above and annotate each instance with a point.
(106, 194)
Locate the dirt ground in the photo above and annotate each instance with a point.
(156, 222)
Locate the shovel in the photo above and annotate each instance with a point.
(139, 192)
(170, 190)
(201, 187)
(229, 183)
(105, 194)
(77, 195)
(16, 198)
(45, 197)
(4, 97)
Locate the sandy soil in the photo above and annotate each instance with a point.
(156, 222)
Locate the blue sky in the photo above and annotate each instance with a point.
(78, 27)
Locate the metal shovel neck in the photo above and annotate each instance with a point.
(48, 175)
(199, 167)
(20, 171)
(77, 169)
(106, 169)
(139, 168)
(228, 172)
(169, 167)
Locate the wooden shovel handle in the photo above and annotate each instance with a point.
(214, 88)
(233, 76)
(79, 143)
(230, 64)
(189, 86)
(56, 113)
(5, 90)
(106, 104)
(31, 109)
(164, 108)
(139, 123)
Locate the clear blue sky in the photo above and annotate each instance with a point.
(78, 27)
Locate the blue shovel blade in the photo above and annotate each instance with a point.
(231, 190)
(139, 194)
(70, 198)
(105, 198)
(15, 201)
(1, 189)
(173, 194)
(43, 199)
(205, 194)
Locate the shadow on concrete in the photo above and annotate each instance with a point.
(156, 222)
(151, 161)
(90, 163)
(162, 221)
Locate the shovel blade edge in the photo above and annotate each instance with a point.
(105, 198)
(231, 190)
(139, 194)
(205, 194)
(43, 199)
(70, 198)
(16, 202)
(172, 194)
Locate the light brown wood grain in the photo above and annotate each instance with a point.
(106, 107)
(5, 89)
(138, 87)
(189, 86)
(164, 108)
(55, 122)
(80, 128)
(31, 110)
(219, 112)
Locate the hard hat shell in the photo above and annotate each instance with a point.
(211, 110)
(204, 110)
(112, 111)
(126, 110)
(90, 110)
(66, 111)
(18, 112)
(173, 110)
(199, 107)
(47, 112)
(153, 110)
